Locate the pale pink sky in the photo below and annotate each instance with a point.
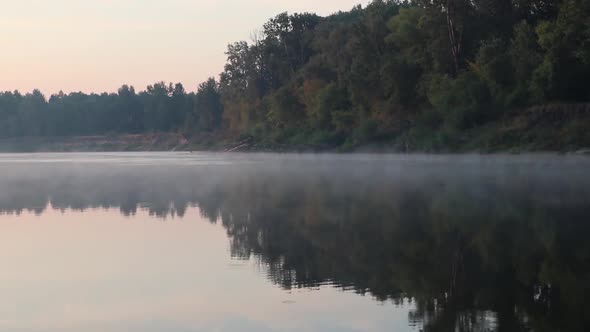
(98, 45)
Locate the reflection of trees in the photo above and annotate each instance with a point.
(462, 248)
(473, 248)
(80, 189)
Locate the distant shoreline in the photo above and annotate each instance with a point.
(170, 142)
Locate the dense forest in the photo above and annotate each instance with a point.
(424, 75)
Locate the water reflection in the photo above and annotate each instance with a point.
(474, 244)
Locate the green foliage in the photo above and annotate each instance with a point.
(285, 108)
(525, 57)
(463, 102)
(208, 108)
(566, 54)
(368, 72)
(494, 67)
(331, 100)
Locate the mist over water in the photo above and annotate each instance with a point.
(439, 243)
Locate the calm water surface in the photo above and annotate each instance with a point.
(230, 242)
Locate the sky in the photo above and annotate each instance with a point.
(99, 45)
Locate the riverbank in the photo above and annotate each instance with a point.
(543, 129)
(547, 128)
(99, 143)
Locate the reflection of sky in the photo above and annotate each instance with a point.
(97, 45)
(100, 271)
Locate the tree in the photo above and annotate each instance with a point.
(130, 110)
(456, 13)
(566, 46)
(208, 105)
(525, 57)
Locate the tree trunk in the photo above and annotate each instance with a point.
(455, 35)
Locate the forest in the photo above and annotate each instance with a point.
(421, 75)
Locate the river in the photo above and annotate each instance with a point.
(180, 242)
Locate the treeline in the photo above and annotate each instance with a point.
(160, 108)
(421, 72)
